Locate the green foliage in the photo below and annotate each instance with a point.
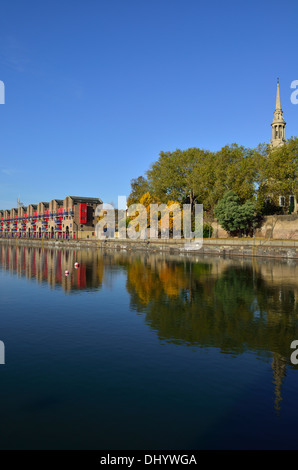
(278, 174)
(234, 216)
(270, 208)
(207, 231)
(199, 176)
(196, 175)
(172, 176)
(232, 168)
(139, 186)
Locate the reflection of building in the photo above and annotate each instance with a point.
(279, 372)
(73, 217)
(50, 265)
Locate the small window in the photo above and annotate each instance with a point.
(281, 201)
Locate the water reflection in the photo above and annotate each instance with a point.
(234, 305)
(49, 265)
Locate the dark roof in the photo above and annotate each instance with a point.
(33, 205)
(91, 200)
(59, 201)
(46, 204)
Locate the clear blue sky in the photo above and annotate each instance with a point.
(96, 89)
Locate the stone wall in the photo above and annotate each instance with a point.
(279, 227)
(243, 247)
(276, 227)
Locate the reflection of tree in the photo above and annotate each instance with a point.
(236, 311)
(172, 279)
(144, 282)
(149, 283)
(211, 303)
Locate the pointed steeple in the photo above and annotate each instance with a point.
(278, 123)
(278, 105)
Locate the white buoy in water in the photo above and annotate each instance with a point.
(66, 273)
(77, 265)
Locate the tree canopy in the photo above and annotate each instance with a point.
(234, 216)
(200, 176)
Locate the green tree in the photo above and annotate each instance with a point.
(207, 231)
(234, 216)
(173, 176)
(234, 169)
(139, 186)
(278, 174)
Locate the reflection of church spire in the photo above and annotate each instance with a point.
(279, 372)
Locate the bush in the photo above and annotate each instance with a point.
(234, 216)
(207, 231)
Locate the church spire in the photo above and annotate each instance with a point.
(278, 123)
(278, 105)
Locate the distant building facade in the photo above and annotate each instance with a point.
(71, 218)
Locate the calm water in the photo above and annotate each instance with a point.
(146, 351)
